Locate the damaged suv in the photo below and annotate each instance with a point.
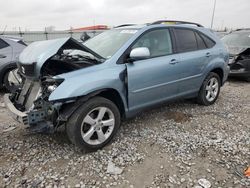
(90, 87)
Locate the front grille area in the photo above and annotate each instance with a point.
(27, 69)
(30, 92)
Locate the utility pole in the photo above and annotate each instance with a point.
(212, 21)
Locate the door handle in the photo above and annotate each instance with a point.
(173, 61)
(2, 56)
(208, 54)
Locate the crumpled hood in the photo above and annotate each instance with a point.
(235, 50)
(39, 52)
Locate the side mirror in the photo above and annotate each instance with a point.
(139, 53)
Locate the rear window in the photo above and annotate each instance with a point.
(186, 40)
(3, 44)
(200, 42)
(209, 43)
(241, 39)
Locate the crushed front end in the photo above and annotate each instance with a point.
(239, 63)
(31, 106)
(40, 64)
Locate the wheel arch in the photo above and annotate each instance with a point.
(114, 96)
(220, 72)
(111, 94)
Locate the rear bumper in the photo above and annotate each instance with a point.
(19, 116)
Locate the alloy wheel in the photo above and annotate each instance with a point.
(98, 125)
(212, 89)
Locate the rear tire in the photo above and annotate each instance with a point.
(94, 124)
(12, 86)
(209, 90)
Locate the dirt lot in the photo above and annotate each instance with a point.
(178, 145)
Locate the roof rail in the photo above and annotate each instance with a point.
(242, 29)
(124, 25)
(176, 22)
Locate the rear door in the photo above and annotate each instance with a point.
(194, 55)
(5, 52)
(153, 79)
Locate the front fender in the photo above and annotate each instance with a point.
(85, 82)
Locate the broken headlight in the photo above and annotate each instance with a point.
(50, 84)
(51, 88)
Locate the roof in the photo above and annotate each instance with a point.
(159, 22)
(175, 22)
(242, 30)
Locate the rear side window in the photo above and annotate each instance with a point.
(186, 40)
(200, 42)
(209, 43)
(3, 44)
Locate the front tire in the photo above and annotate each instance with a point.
(209, 90)
(94, 124)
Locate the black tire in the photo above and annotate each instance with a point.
(202, 99)
(74, 124)
(248, 79)
(6, 84)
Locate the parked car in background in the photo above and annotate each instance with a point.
(221, 34)
(10, 48)
(90, 87)
(238, 44)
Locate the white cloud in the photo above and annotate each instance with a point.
(36, 14)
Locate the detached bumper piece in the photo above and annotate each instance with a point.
(27, 118)
(15, 113)
(33, 119)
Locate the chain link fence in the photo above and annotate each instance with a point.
(31, 36)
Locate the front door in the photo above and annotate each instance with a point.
(152, 80)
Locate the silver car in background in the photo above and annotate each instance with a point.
(10, 48)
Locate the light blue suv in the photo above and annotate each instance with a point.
(90, 87)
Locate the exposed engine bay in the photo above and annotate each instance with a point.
(239, 60)
(67, 61)
(239, 63)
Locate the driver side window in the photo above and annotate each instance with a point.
(158, 42)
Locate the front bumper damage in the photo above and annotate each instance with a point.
(19, 116)
(239, 63)
(28, 107)
(34, 120)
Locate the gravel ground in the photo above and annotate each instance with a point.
(178, 145)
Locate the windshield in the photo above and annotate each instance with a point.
(241, 39)
(109, 42)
